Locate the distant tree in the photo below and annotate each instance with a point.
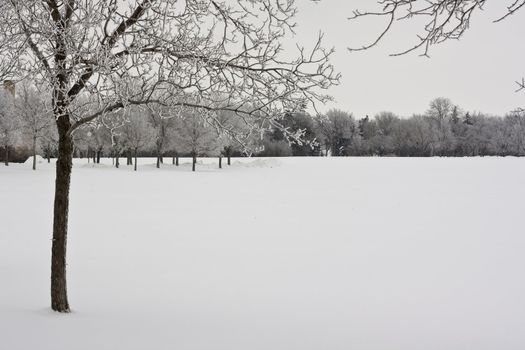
(303, 123)
(49, 142)
(468, 119)
(137, 133)
(337, 130)
(237, 134)
(440, 113)
(161, 121)
(9, 123)
(514, 132)
(197, 137)
(386, 125)
(36, 118)
(274, 144)
(368, 132)
(98, 138)
(367, 128)
(278, 143)
(275, 148)
(117, 146)
(413, 137)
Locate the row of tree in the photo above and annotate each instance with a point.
(27, 127)
(443, 130)
(146, 132)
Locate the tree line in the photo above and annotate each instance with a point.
(443, 130)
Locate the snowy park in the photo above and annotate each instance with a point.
(262, 175)
(288, 253)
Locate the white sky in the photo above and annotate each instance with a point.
(478, 73)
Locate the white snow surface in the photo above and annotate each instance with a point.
(304, 253)
(39, 160)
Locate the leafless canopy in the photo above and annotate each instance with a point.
(209, 54)
(445, 19)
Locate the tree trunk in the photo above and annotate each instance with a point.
(59, 300)
(194, 162)
(229, 159)
(6, 160)
(173, 161)
(117, 161)
(158, 162)
(220, 162)
(48, 158)
(98, 156)
(177, 161)
(135, 165)
(34, 153)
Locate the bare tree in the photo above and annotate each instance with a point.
(197, 136)
(514, 132)
(98, 138)
(443, 19)
(236, 135)
(160, 119)
(208, 54)
(49, 142)
(137, 133)
(440, 113)
(337, 130)
(36, 118)
(9, 123)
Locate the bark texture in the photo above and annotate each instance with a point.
(59, 300)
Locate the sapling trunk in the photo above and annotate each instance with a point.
(34, 153)
(220, 162)
(59, 300)
(6, 160)
(135, 165)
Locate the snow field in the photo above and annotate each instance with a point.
(294, 253)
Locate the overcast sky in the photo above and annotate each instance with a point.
(478, 73)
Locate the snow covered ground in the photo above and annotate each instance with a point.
(344, 253)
